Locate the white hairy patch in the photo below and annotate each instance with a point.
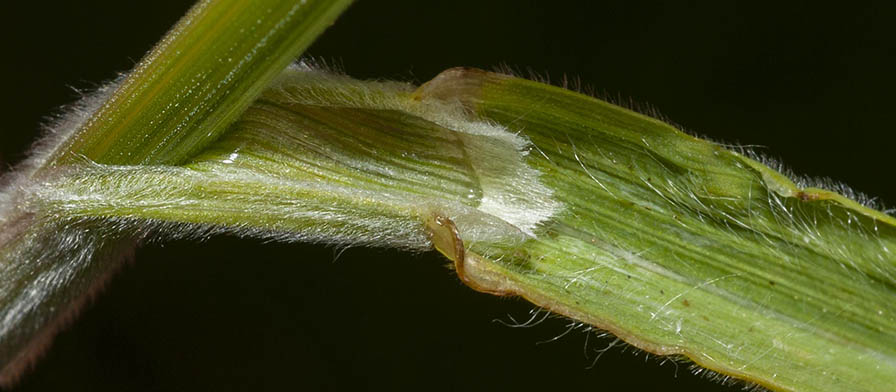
(517, 197)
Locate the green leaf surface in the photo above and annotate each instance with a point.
(680, 246)
(198, 79)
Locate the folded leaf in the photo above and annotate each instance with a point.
(675, 244)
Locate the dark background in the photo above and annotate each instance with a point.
(811, 83)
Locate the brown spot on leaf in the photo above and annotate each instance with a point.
(806, 196)
(445, 239)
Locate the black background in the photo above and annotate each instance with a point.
(811, 83)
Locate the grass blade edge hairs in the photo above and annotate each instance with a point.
(672, 243)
